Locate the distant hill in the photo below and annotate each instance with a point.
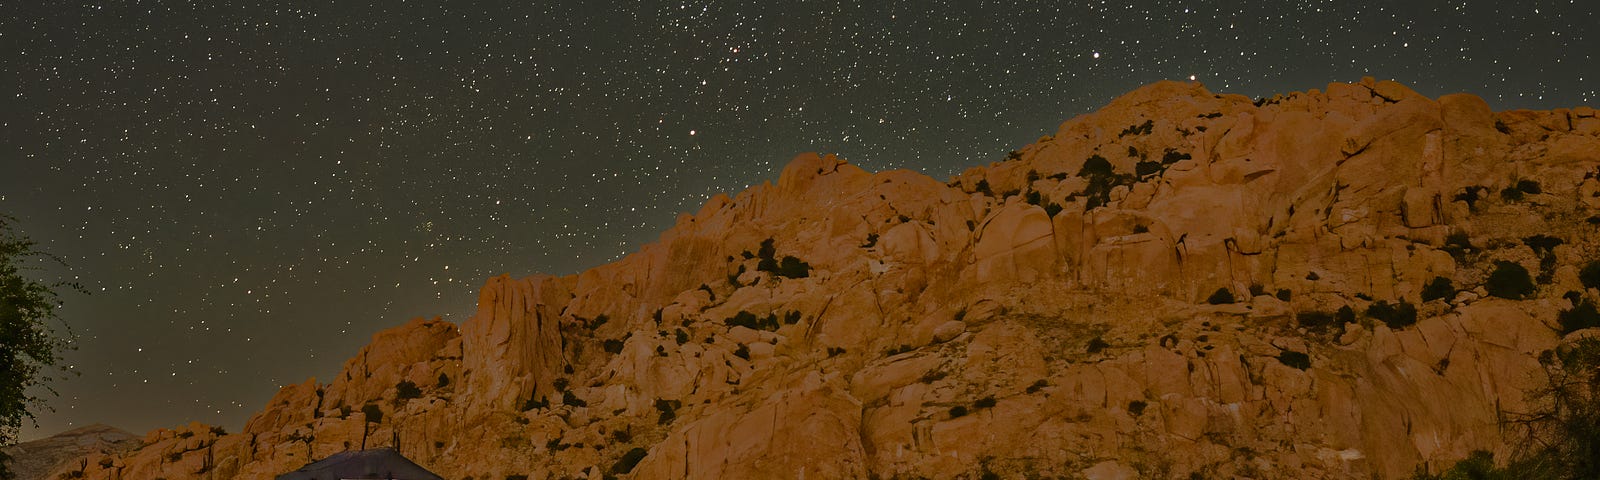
(36, 459)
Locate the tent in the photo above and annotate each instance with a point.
(377, 463)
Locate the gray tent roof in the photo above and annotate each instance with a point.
(377, 463)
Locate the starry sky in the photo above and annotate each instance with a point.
(249, 192)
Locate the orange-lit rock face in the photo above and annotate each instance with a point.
(1054, 314)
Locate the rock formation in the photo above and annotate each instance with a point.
(36, 459)
(1183, 283)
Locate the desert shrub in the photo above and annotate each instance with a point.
(444, 381)
(1315, 321)
(1458, 245)
(1173, 156)
(1479, 465)
(681, 336)
(1052, 209)
(1220, 297)
(406, 390)
(1295, 359)
(1438, 288)
(1590, 274)
(1136, 407)
(1345, 314)
(793, 268)
(612, 345)
(792, 317)
(1509, 280)
(1582, 315)
(628, 461)
(751, 321)
(1147, 168)
(958, 411)
(668, 409)
(1102, 178)
(767, 249)
(1096, 345)
(373, 413)
(1396, 316)
(571, 400)
(872, 239)
(1140, 129)
(534, 403)
(985, 402)
(1542, 244)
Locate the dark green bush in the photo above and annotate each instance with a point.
(1458, 245)
(628, 461)
(958, 411)
(1315, 321)
(612, 345)
(983, 187)
(407, 390)
(1345, 314)
(1590, 274)
(1102, 178)
(751, 321)
(571, 400)
(1147, 168)
(767, 250)
(373, 413)
(1396, 316)
(1096, 344)
(985, 402)
(1220, 297)
(681, 336)
(668, 409)
(1295, 359)
(1542, 244)
(1438, 288)
(1136, 407)
(1580, 316)
(1509, 280)
(793, 268)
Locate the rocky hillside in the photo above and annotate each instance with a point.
(36, 459)
(1325, 284)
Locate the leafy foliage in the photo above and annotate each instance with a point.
(1582, 315)
(1438, 288)
(406, 390)
(1590, 274)
(1220, 297)
(1396, 316)
(628, 461)
(1295, 359)
(1102, 178)
(1509, 280)
(29, 346)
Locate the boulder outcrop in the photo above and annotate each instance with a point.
(1182, 283)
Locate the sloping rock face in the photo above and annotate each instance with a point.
(1176, 285)
(36, 459)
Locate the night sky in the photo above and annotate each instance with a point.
(250, 192)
